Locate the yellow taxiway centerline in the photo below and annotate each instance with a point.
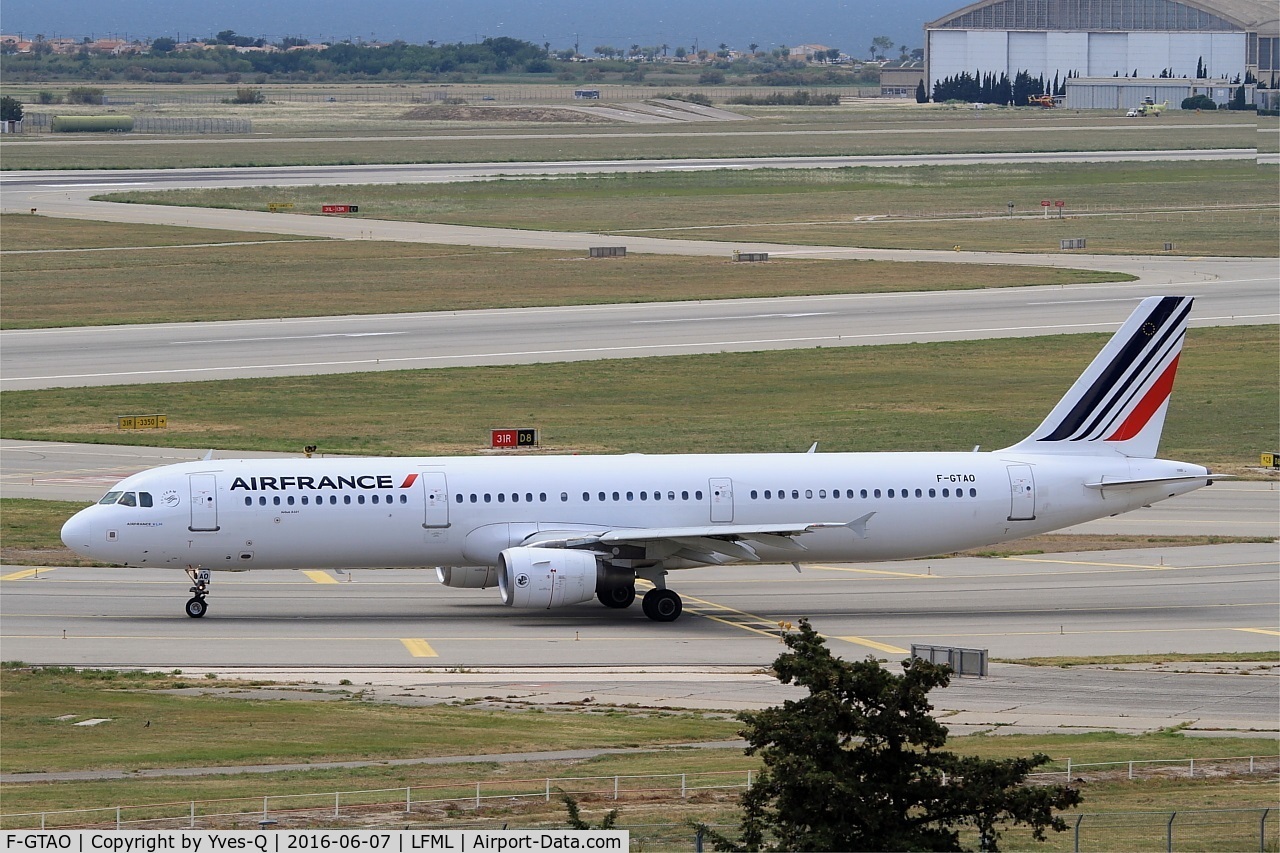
(25, 573)
(1266, 631)
(419, 648)
(872, 644)
(870, 571)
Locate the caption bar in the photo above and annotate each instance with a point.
(308, 840)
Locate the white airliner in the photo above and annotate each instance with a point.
(552, 531)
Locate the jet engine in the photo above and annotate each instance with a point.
(467, 577)
(546, 577)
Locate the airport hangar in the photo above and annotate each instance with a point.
(1100, 39)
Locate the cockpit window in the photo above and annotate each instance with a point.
(128, 499)
(144, 499)
(110, 498)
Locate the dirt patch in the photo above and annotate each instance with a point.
(457, 112)
(1060, 543)
(110, 428)
(43, 557)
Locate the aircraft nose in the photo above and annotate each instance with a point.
(76, 533)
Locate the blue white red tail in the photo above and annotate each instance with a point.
(1119, 403)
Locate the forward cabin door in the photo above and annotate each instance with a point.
(721, 500)
(436, 500)
(1022, 493)
(204, 501)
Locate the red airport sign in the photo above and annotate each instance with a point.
(513, 438)
(339, 208)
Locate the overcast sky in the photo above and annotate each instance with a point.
(849, 25)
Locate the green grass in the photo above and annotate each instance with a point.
(33, 524)
(190, 731)
(183, 727)
(309, 277)
(776, 132)
(1218, 208)
(939, 396)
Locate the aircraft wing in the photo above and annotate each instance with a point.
(705, 543)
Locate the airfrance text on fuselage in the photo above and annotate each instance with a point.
(369, 482)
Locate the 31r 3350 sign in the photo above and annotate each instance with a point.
(513, 438)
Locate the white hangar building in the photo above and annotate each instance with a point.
(1103, 38)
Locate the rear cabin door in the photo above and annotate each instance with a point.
(1022, 493)
(436, 500)
(721, 500)
(204, 501)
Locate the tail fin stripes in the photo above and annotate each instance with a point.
(1146, 409)
(1119, 402)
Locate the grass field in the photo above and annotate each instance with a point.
(193, 731)
(288, 133)
(182, 713)
(1217, 208)
(942, 396)
(170, 276)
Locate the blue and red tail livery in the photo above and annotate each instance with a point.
(1119, 403)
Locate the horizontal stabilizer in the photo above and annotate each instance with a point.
(1149, 481)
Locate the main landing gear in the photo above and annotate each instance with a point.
(659, 604)
(662, 605)
(618, 596)
(196, 606)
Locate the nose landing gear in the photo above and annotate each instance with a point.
(196, 606)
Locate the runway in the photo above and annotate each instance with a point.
(1241, 293)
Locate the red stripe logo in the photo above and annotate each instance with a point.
(1154, 399)
(409, 481)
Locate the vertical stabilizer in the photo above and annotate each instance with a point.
(1119, 403)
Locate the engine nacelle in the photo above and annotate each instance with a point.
(546, 577)
(467, 577)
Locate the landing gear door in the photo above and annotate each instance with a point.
(1022, 493)
(721, 500)
(204, 502)
(436, 500)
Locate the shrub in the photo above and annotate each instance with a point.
(1199, 102)
(85, 95)
(249, 95)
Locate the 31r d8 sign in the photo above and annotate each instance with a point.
(513, 438)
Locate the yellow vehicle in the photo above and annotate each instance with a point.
(1151, 108)
(1046, 101)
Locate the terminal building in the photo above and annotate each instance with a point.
(1150, 40)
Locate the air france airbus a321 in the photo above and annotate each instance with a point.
(553, 531)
